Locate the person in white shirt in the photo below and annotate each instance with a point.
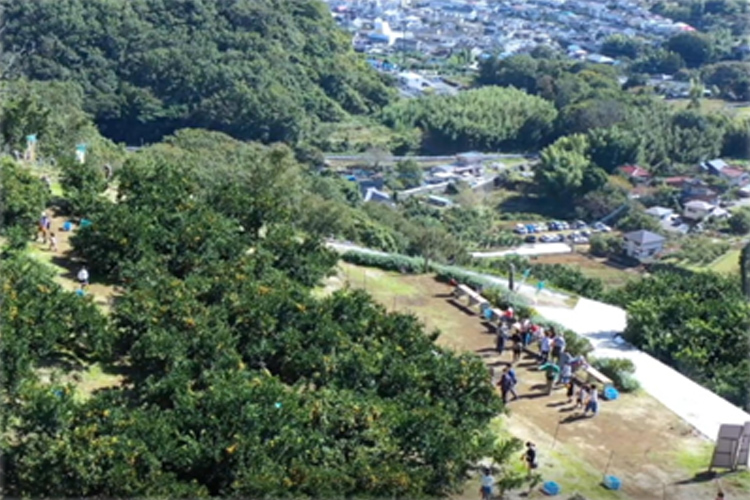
(544, 347)
(488, 483)
(593, 403)
(83, 277)
(566, 374)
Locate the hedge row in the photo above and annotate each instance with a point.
(398, 263)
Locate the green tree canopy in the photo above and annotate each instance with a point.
(256, 69)
(487, 119)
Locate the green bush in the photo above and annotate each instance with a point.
(406, 265)
(620, 371)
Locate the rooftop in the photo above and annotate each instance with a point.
(643, 237)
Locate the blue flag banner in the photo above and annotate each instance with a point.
(540, 286)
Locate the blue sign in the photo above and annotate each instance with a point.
(31, 138)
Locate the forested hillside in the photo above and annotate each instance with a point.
(265, 70)
(238, 381)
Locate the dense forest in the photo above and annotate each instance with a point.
(266, 70)
(238, 381)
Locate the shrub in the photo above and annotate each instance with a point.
(605, 245)
(620, 370)
(406, 265)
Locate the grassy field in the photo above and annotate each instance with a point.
(715, 105)
(727, 263)
(612, 275)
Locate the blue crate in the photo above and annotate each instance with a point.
(612, 482)
(610, 394)
(551, 488)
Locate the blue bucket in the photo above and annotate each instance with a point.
(612, 482)
(68, 226)
(80, 292)
(610, 394)
(551, 488)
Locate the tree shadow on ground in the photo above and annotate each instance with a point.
(706, 476)
(573, 418)
(61, 360)
(464, 309)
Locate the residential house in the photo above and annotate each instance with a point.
(376, 182)
(697, 190)
(714, 167)
(635, 174)
(378, 196)
(698, 210)
(677, 182)
(735, 176)
(643, 245)
(660, 213)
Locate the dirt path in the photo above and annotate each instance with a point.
(652, 451)
(67, 265)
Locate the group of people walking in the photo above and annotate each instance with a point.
(557, 364)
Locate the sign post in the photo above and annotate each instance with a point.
(81, 153)
(31, 147)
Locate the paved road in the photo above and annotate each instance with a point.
(695, 404)
(532, 249)
(487, 157)
(600, 323)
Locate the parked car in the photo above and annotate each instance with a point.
(530, 239)
(520, 229)
(579, 224)
(548, 238)
(553, 226)
(541, 227)
(559, 238)
(531, 228)
(602, 228)
(586, 234)
(563, 226)
(580, 240)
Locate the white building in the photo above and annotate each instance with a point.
(697, 210)
(643, 245)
